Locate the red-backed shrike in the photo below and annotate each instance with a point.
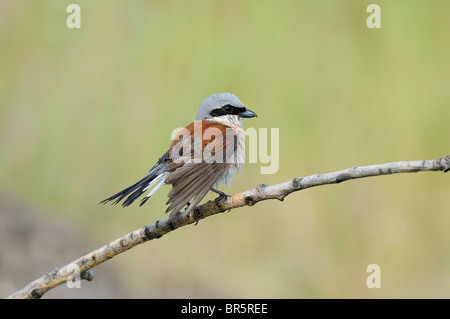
(204, 155)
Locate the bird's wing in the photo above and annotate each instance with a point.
(193, 173)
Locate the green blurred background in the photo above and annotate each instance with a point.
(86, 112)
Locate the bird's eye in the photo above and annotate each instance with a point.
(227, 108)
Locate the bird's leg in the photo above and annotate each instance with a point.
(187, 205)
(222, 194)
(218, 199)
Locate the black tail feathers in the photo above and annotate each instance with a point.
(134, 191)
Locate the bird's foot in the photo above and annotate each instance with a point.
(221, 196)
(187, 205)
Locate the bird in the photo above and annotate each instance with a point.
(203, 155)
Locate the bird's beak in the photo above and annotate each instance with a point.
(248, 114)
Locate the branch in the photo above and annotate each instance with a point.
(82, 265)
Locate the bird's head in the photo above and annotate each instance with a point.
(223, 108)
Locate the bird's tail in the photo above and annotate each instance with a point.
(155, 179)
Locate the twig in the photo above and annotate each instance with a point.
(82, 265)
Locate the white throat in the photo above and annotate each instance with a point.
(233, 121)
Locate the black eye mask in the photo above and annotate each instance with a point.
(228, 110)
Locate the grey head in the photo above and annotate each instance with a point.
(222, 104)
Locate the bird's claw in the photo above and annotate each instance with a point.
(217, 200)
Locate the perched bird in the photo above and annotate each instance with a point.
(204, 155)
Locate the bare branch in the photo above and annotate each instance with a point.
(262, 192)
